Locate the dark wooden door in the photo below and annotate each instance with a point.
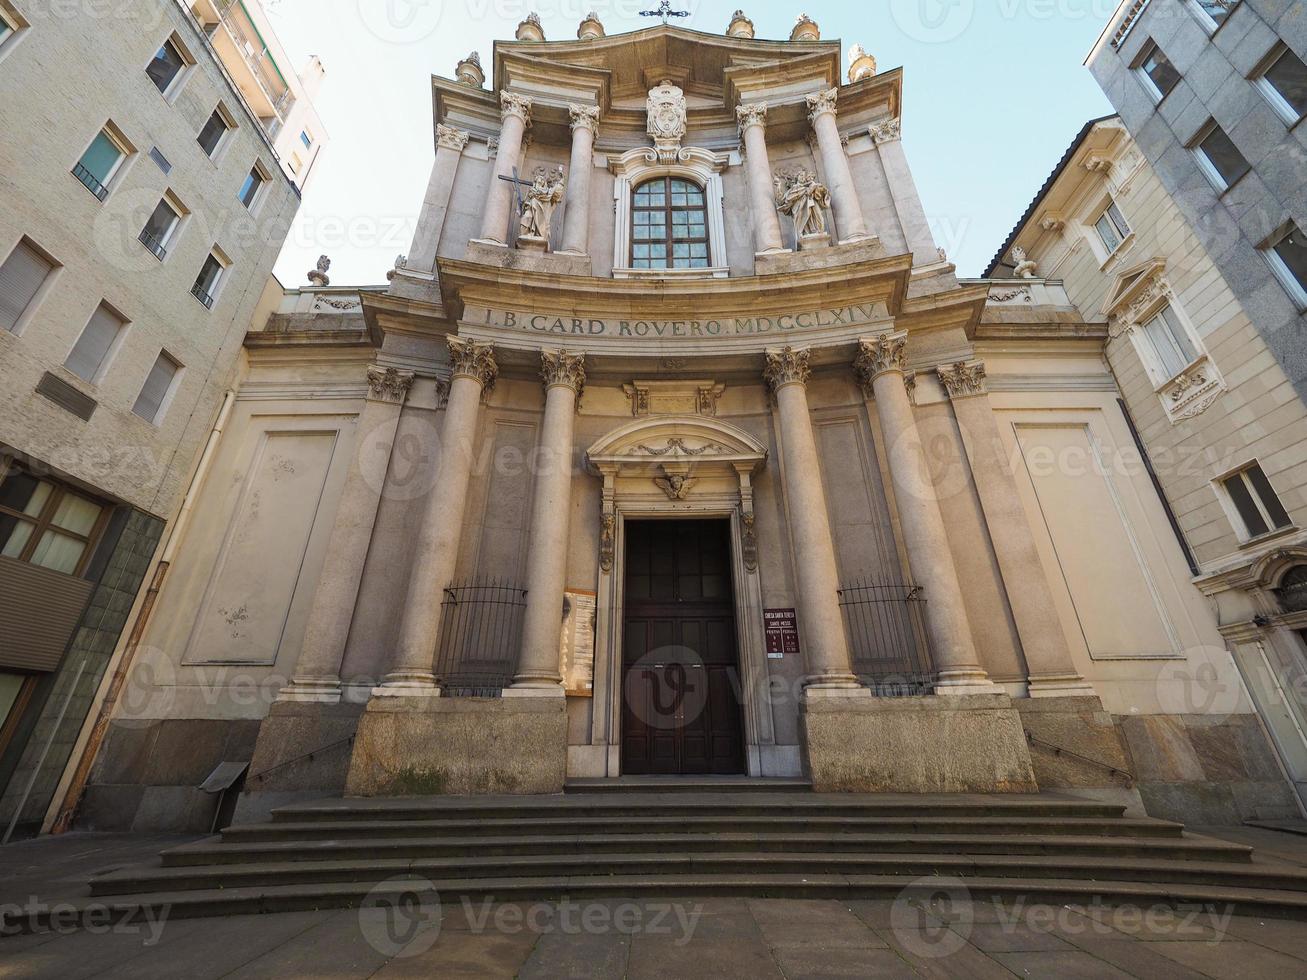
(680, 692)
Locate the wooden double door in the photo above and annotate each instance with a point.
(681, 697)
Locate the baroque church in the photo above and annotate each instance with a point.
(674, 447)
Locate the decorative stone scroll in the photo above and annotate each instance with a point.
(584, 116)
(887, 130)
(786, 366)
(512, 104)
(879, 355)
(469, 359)
(822, 103)
(450, 138)
(962, 378)
(753, 114)
(389, 384)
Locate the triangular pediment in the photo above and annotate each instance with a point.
(1130, 284)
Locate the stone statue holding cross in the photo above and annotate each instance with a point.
(542, 198)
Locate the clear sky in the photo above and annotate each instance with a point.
(994, 91)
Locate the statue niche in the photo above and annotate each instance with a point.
(800, 195)
(541, 199)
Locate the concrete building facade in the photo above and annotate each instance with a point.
(134, 249)
(685, 452)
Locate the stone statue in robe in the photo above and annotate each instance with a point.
(542, 198)
(803, 198)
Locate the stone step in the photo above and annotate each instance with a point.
(566, 866)
(740, 823)
(286, 898)
(215, 851)
(686, 784)
(689, 804)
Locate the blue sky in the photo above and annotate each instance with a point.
(994, 91)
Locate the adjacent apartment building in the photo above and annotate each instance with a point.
(145, 204)
(1221, 430)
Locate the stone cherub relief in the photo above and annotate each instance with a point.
(800, 195)
(542, 198)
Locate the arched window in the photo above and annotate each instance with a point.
(669, 225)
(1292, 592)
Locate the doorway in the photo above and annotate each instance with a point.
(681, 703)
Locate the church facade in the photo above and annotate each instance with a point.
(676, 446)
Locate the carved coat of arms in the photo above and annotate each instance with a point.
(666, 110)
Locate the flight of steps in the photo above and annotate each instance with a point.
(710, 837)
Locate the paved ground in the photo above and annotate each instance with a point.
(723, 937)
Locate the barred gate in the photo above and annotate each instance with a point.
(887, 637)
(480, 635)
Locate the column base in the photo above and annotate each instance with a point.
(424, 746)
(972, 744)
(766, 252)
(315, 690)
(958, 683)
(490, 242)
(408, 684)
(1061, 686)
(535, 691)
(532, 243)
(834, 692)
(859, 240)
(809, 242)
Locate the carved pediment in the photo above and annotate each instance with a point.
(651, 443)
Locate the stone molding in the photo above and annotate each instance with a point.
(886, 131)
(559, 368)
(389, 384)
(472, 360)
(449, 138)
(512, 104)
(879, 355)
(962, 378)
(820, 103)
(753, 114)
(584, 116)
(787, 366)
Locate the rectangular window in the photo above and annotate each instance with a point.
(21, 278)
(153, 399)
(306, 139)
(1284, 83)
(1112, 228)
(99, 163)
(158, 230)
(213, 133)
(1159, 74)
(206, 283)
(1255, 502)
(45, 523)
(250, 187)
(1170, 343)
(11, 23)
(296, 164)
(1214, 12)
(91, 352)
(166, 65)
(1288, 257)
(1220, 159)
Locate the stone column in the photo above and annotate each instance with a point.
(753, 131)
(835, 162)
(903, 189)
(1052, 672)
(434, 559)
(449, 151)
(576, 218)
(546, 562)
(830, 666)
(516, 116)
(317, 670)
(879, 366)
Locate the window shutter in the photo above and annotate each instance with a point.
(93, 345)
(20, 277)
(150, 400)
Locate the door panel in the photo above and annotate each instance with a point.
(681, 705)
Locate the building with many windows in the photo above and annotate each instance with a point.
(676, 446)
(144, 207)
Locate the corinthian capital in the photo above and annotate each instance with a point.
(512, 104)
(558, 367)
(472, 360)
(963, 378)
(821, 103)
(786, 366)
(449, 138)
(753, 114)
(584, 116)
(886, 131)
(388, 384)
(879, 355)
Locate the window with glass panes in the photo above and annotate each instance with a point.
(1256, 501)
(165, 66)
(1287, 78)
(250, 187)
(150, 402)
(158, 230)
(211, 135)
(1112, 228)
(99, 163)
(669, 225)
(1289, 258)
(1160, 71)
(1224, 161)
(206, 283)
(1216, 10)
(1170, 342)
(45, 523)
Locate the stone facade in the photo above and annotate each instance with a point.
(849, 414)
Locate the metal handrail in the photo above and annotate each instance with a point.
(300, 758)
(1061, 750)
(152, 243)
(90, 182)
